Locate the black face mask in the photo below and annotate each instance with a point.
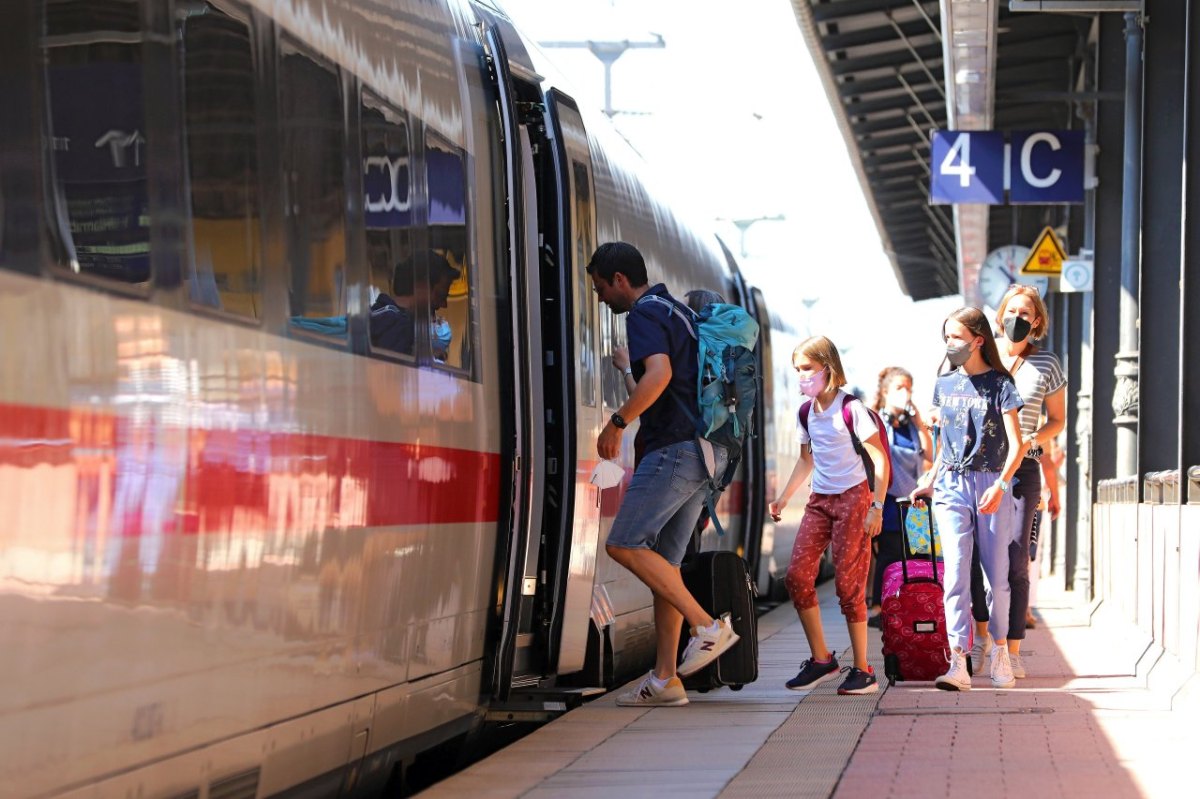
(1016, 329)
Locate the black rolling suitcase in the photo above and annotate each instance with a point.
(720, 583)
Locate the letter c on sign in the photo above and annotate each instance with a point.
(1027, 160)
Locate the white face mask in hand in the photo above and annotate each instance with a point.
(607, 474)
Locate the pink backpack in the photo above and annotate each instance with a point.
(847, 417)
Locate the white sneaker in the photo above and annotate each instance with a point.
(706, 646)
(980, 650)
(1002, 672)
(1017, 665)
(957, 678)
(647, 695)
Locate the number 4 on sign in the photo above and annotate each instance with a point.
(961, 149)
(966, 166)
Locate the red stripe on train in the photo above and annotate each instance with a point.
(146, 474)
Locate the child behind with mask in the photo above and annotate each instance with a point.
(841, 508)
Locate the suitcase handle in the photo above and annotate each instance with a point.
(905, 505)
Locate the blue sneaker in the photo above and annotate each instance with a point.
(859, 682)
(813, 674)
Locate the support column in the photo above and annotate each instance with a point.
(1110, 135)
(1125, 396)
(1189, 273)
(1161, 231)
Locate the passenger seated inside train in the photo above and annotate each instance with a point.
(393, 316)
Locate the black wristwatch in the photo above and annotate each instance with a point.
(618, 421)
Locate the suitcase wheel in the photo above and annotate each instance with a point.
(735, 687)
(891, 668)
(702, 690)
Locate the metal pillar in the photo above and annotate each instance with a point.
(1125, 396)
(1078, 511)
(1110, 76)
(1189, 272)
(1161, 236)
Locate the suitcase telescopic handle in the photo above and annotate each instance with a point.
(905, 506)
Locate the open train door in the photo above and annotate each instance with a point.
(574, 558)
(549, 563)
(515, 659)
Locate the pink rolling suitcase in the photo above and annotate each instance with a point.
(915, 645)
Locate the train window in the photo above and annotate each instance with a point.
(581, 218)
(388, 214)
(451, 328)
(97, 137)
(219, 111)
(310, 114)
(612, 382)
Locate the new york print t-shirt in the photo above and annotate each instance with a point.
(971, 418)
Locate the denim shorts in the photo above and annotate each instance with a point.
(664, 500)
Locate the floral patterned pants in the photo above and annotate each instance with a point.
(840, 518)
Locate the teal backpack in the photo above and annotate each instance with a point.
(728, 383)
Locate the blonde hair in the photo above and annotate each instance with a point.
(823, 351)
(1039, 330)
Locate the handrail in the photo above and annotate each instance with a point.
(1117, 490)
(1161, 488)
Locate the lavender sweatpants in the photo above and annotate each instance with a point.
(956, 498)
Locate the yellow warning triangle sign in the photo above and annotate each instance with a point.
(1046, 257)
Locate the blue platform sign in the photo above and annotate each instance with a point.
(967, 167)
(1047, 166)
(978, 166)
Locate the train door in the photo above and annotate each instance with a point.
(543, 561)
(513, 662)
(575, 557)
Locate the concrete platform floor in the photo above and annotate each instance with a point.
(1091, 720)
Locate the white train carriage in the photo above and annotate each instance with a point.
(300, 379)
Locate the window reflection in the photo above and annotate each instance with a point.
(97, 134)
(450, 331)
(387, 205)
(311, 114)
(585, 300)
(219, 111)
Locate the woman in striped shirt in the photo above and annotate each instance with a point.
(1040, 382)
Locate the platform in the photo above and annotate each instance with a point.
(1102, 713)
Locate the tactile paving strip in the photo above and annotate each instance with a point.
(806, 755)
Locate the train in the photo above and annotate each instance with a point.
(300, 381)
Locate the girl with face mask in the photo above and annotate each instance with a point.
(911, 448)
(971, 484)
(1040, 382)
(842, 509)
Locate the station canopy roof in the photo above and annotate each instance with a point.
(883, 66)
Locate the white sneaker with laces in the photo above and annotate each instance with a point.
(706, 646)
(957, 678)
(1017, 665)
(648, 695)
(980, 650)
(1002, 673)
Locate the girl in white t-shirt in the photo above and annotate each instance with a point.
(842, 509)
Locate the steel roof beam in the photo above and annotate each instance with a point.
(877, 35)
(917, 78)
(926, 54)
(842, 9)
(902, 101)
(876, 142)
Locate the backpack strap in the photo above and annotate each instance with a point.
(848, 418)
(674, 308)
